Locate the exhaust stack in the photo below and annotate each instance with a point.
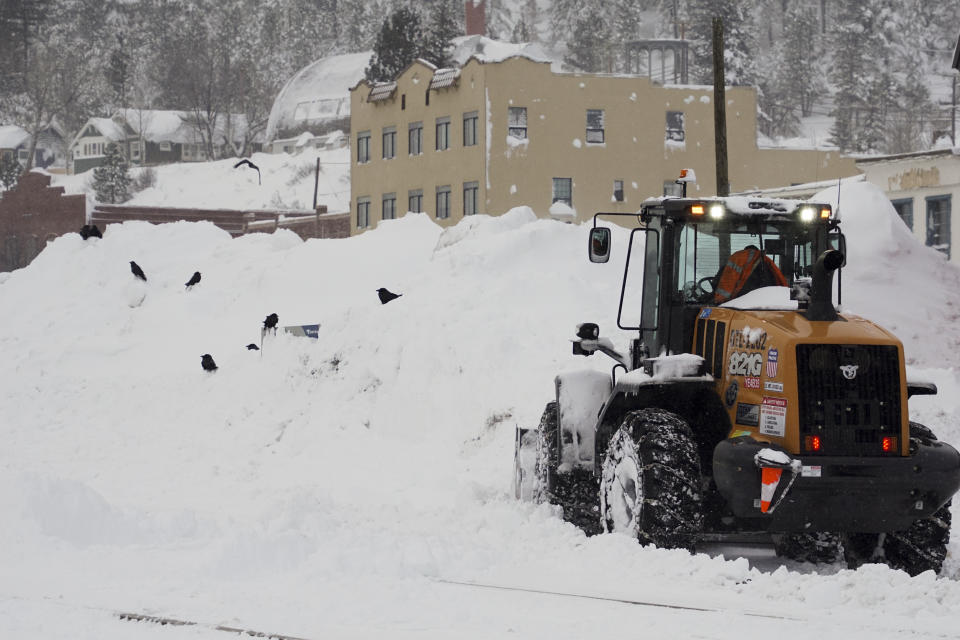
(821, 291)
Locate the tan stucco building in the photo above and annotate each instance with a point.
(491, 136)
(921, 187)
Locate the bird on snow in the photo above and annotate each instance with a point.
(194, 279)
(247, 162)
(270, 322)
(137, 271)
(206, 361)
(252, 347)
(386, 296)
(90, 231)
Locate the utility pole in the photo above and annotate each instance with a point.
(720, 110)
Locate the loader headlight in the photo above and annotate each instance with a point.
(716, 211)
(808, 214)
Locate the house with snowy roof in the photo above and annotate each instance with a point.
(49, 153)
(149, 137)
(504, 131)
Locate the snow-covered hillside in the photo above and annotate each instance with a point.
(345, 486)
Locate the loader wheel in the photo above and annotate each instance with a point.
(920, 548)
(548, 444)
(574, 491)
(818, 548)
(650, 484)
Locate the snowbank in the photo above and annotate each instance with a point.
(350, 476)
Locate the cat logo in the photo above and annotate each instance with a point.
(849, 371)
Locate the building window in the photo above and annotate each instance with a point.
(904, 209)
(595, 125)
(389, 206)
(415, 138)
(443, 133)
(363, 213)
(389, 142)
(470, 129)
(470, 198)
(135, 150)
(618, 190)
(165, 146)
(363, 147)
(938, 224)
(517, 123)
(675, 132)
(415, 200)
(672, 190)
(563, 190)
(443, 202)
(22, 155)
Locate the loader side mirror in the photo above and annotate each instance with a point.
(599, 247)
(839, 242)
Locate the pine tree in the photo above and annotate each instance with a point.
(111, 181)
(443, 27)
(399, 42)
(10, 171)
(739, 39)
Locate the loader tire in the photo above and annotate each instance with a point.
(548, 446)
(650, 483)
(922, 547)
(818, 548)
(575, 491)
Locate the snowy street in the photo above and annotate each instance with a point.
(342, 487)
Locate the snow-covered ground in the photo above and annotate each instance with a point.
(347, 487)
(287, 183)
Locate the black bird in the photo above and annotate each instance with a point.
(90, 231)
(270, 322)
(206, 361)
(247, 162)
(252, 347)
(137, 271)
(194, 279)
(387, 296)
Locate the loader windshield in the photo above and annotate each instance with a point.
(703, 250)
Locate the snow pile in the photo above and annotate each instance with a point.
(285, 182)
(350, 476)
(895, 280)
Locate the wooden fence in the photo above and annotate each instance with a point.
(306, 224)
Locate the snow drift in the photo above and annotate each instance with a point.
(328, 487)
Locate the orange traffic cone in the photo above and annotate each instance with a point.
(769, 478)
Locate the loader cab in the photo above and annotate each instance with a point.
(678, 254)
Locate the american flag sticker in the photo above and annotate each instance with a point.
(772, 357)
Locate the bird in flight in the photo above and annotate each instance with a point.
(206, 361)
(247, 162)
(137, 271)
(252, 347)
(194, 279)
(386, 296)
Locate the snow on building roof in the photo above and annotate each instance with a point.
(320, 91)
(382, 91)
(484, 49)
(444, 78)
(109, 128)
(12, 136)
(162, 126)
